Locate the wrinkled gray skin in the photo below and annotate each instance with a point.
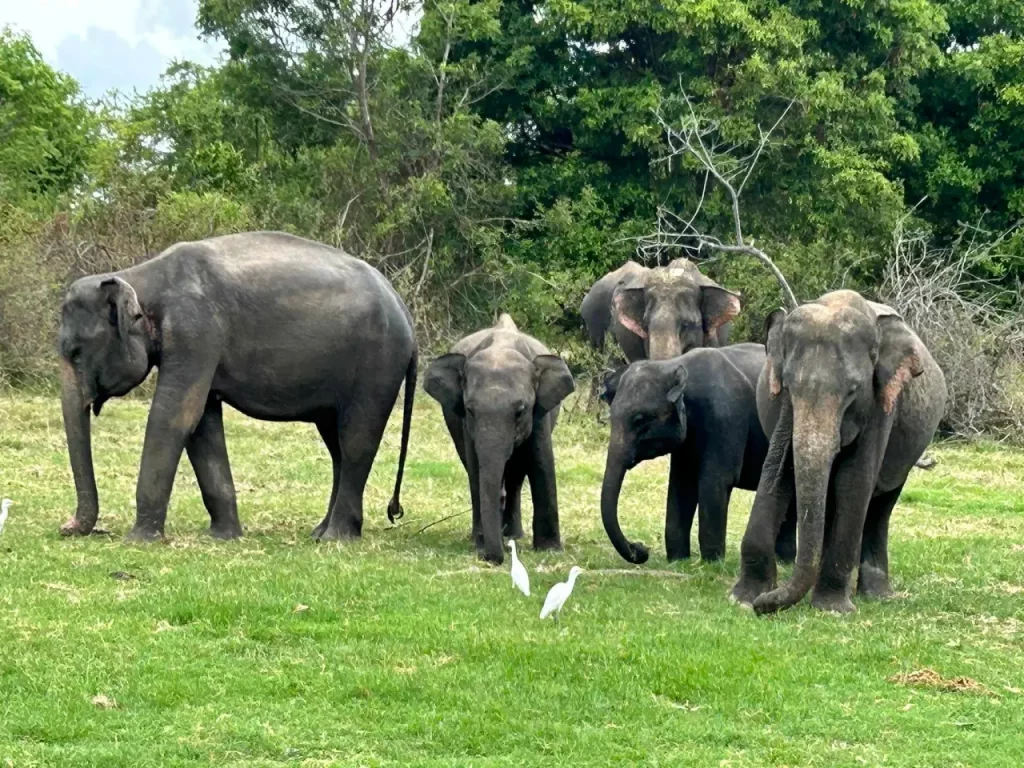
(701, 409)
(659, 313)
(851, 399)
(281, 328)
(499, 390)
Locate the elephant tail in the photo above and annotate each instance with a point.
(395, 510)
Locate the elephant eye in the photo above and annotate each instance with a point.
(520, 409)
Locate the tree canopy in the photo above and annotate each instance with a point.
(510, 152)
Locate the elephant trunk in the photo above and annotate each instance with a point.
(663, 339)
(815, 445)
(78, 429)
(614, 474)
(492, 456)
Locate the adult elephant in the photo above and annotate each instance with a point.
(281, 328)
(500, 390)
(701, 409)
(659, 313)
(851, 399)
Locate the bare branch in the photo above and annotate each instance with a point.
(699, 138)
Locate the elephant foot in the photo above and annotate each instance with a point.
(747, 590)
(144, 535)
(547, 544)
(495, 558)
(674, 557)
(317, 533)
(873, 582)
(833, 601)
(75, 527)
(512, 532)
(342, 531)
(711, 555)
(226, 531)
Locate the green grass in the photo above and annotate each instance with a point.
(413, 653)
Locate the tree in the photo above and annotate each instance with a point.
(46, 129)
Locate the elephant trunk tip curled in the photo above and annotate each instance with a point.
(639, 554)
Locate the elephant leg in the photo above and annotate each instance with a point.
(178, 404)
(712, 513)
(775, 495)
(785, 544)
(361, 430)
(541, 471)
(458, 433)
(511, 513)
(328, 429)
(849, 496)
(873, 576)
(473, 473)
(679, 508)
(208, 453)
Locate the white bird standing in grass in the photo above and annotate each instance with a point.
(4, 506)
(520, 578)
(559, 594)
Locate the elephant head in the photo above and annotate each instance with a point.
(500, 393)
(673, 309)
(648, 419)
(839, 364)
(104, 350)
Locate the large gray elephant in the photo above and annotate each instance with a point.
(281, 328)
(701, 409)
(851, 399)
(659, 313)
(500, 390)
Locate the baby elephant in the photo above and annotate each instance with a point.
(499, 390)
(701, 409)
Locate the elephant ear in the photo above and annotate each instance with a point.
(899, 359)
(125, 309)
(677, 395)
(629, 305)
(775, 347)
(554, 382)
(444, 381)
(718, 306)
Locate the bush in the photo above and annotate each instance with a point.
(966, 324)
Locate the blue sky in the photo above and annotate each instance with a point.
(107, 44)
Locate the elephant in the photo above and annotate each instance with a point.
(278, 327)
(700, 408)
(851, 398)
(500, 391)
(659, 313)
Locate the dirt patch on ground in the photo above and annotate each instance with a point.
(929, 678)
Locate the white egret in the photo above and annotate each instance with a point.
(4, 506)
(520, 578)
(559, 594)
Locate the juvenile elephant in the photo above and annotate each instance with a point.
(701, 409)
(659, 313)
(851, 398)
(499, 390)
(281, 328)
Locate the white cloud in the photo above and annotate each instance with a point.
(107, 44)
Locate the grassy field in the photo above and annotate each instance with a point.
(403, 649)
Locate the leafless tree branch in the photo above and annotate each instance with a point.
(699, 139)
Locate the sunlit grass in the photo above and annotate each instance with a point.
(403, 649)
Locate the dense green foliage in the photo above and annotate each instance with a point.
(509, 153)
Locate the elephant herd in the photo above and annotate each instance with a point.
(824, 422)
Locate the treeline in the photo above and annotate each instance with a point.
(509, 153)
